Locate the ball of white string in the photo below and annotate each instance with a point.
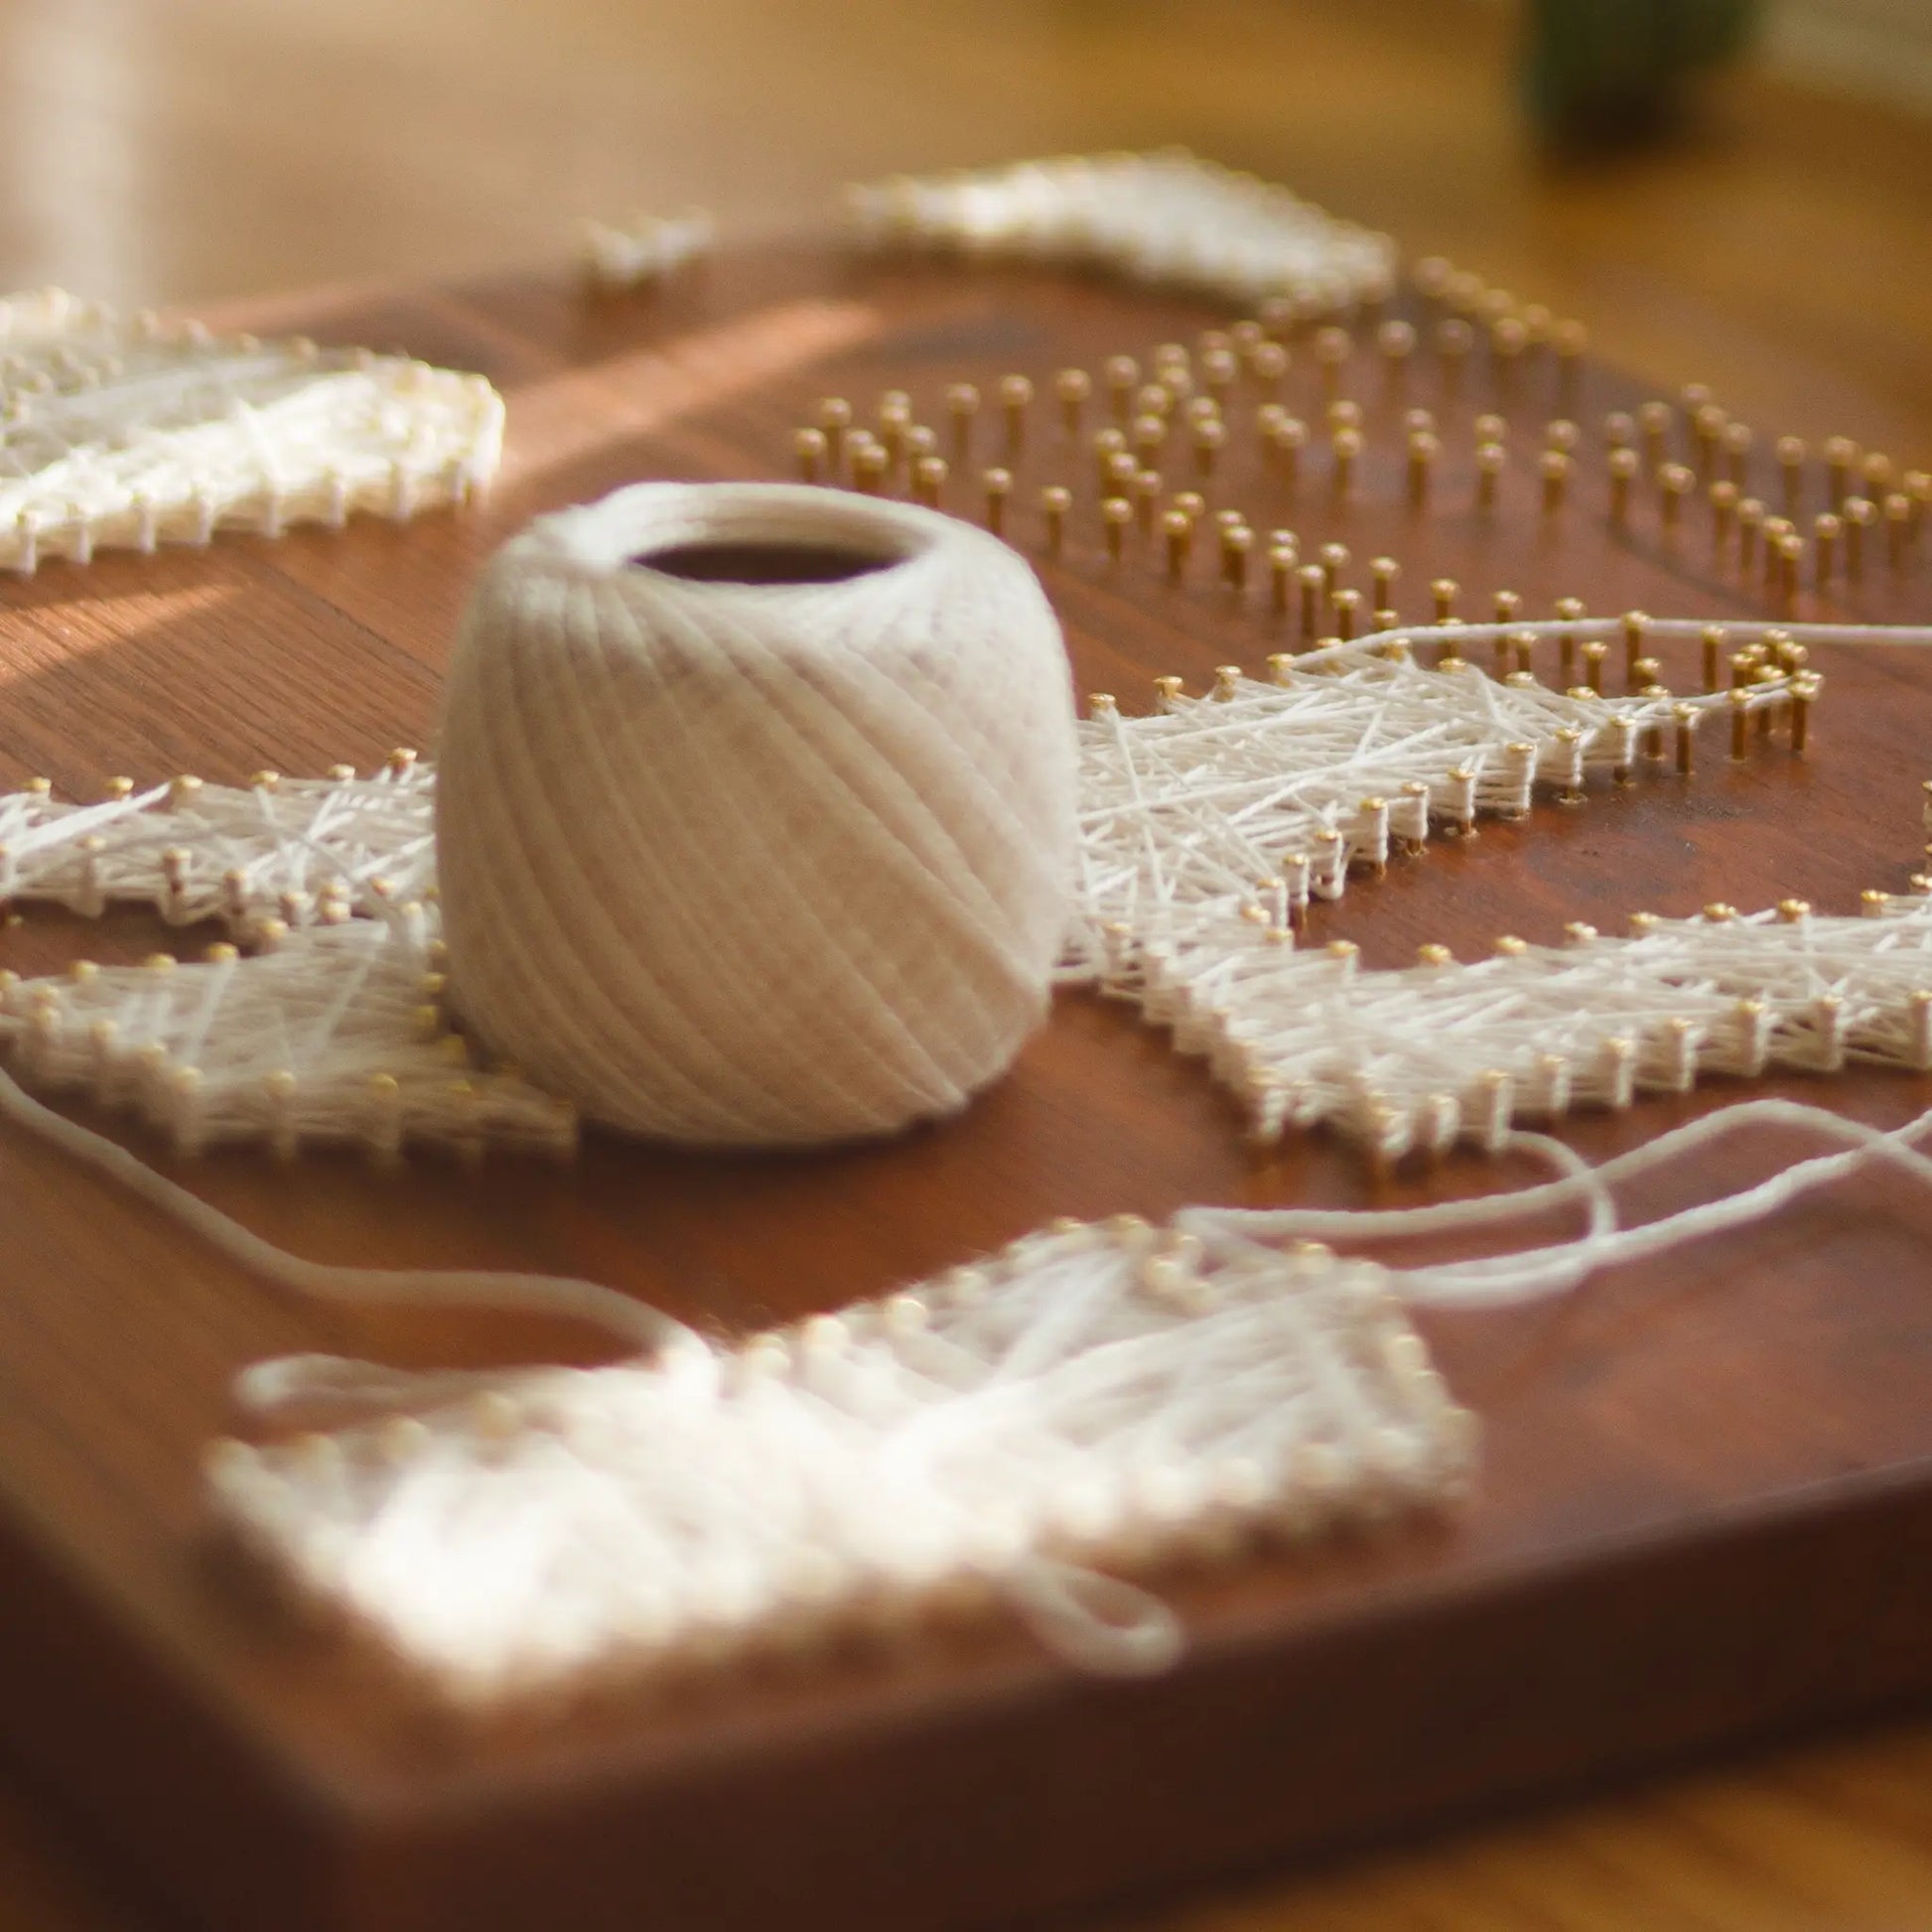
(737, 862)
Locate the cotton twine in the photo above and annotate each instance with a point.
(749, 864)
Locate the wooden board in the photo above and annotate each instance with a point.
(1707, 1505)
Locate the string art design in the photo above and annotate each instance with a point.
(646, 249)
(331, 1027)
(1094, 1399)
(1168, 217)
(129, 431)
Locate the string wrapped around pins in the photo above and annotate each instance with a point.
(130, 431)
(1168, 219)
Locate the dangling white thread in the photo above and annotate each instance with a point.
(1168, 219)
(126, 431)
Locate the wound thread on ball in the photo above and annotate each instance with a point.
(736, 861)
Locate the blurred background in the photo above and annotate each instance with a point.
(1733, 191)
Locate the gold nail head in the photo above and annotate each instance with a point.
(1348, 605)
(1310, 577)
(1122, 375)
(1383, 571)
(1637, 627)
(1054, 502)
(834, 421)
(1178, 529)
(1562, 434)
(1619, 429)
(1655, 419)
(1281, 570)
(1724, 511)
(869, 465)
(929, 480)
(1686, 719)
(1594, 653)
(1750, 523)
(1714, 639)
(1826, 530)
(1676, 482)
(1073, 387)
(1444, 590)
(1454, 338)
(1623, 466)
(999, 487)
(813, 449)
(1209, 438)
(1491, 461)
(1015, 398)
(1116, 518)
(1791, 462)
(1347, 446)
(1804, 691)
(1740, 718)
(1423, 450)
(1555, 467)
(1147, 499)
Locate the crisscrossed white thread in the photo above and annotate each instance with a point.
(131, 431)
(1168, 217)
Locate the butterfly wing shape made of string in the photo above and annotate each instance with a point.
(1204, 827)
(129, 431)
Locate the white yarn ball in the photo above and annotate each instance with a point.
(756, 863)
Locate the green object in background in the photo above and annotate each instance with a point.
(1603, 72)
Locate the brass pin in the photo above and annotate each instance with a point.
(1859, 515)
(1310, 579)
(1155, 399)
(1227, 682)
(1383, 571)
(1654, 418)
(1571, 340)
(1192, 503)
(1623, 466)
(1841, 457)
(1791, 462)
(1562, 434)
(1508, 339)
(1741, 720)
(1333, 349)
(1290, 437)
(1150, 437)
(1419, 422)
(894, 419)
(1281, 559)
(1178, 529)
(1146, 500)
(1804, 689)
(1122, 474)
(834, 420)
(1116, 518)
(1335, 559)
(1523, 644)
(1826, 530)
(1506, 605)
(918, 443)
(1168, 689)
(1555, 468)
(1636, 627)
(1570, 611)
(1492, 458)
(1686, 719)
(1237, 542)
(1619, 429)
(868, 463)
(962, 405)
(1220, 372)
(1707, 425)
(1213, 341)
(929, 480)
(1347, 446)
(1122, 374)
(1074, 387)
(1716, 638)
(999, 487)
(1898, 528)
(1397, 343)
(1653, 737)
(1594, 653)
(1738, 453)
(1268, 367)
(1491, 429)
(1918, 488)
(1107, 444)
(1054, 502)
(1445, 591)
(1348, 611)
(1675, 482)
(1751, 523)
(1454, 338)
(1877, 473)
(812, 447)
(1209, 438)
(1423, 450)
(1791, 563)
(1724, 512)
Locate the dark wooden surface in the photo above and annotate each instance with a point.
(1706, 1506)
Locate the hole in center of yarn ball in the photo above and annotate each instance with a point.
(766, 563)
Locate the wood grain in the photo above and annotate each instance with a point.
(1707, 1511)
